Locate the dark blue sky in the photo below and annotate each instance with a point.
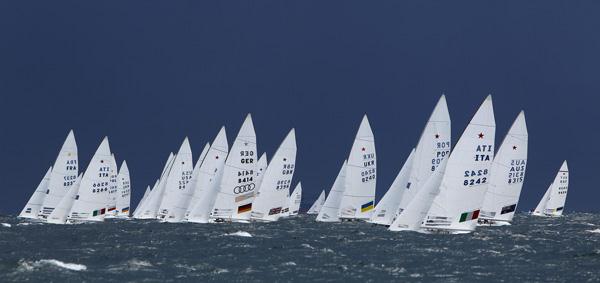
(148, 73)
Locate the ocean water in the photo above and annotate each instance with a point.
(301, 250)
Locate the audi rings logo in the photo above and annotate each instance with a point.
(243, 189)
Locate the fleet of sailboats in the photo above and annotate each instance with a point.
(439, 188)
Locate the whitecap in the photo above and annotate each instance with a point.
(220, 270)
(239, 234)
(307, 246)
(31, 265)
(24, 224)
(289, 263)
(6, 225)
(594, 231)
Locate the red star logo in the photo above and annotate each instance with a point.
(481, 135)
(514, 147)
(217, 157)
(437, 136)
(363, 149)
(101, 161)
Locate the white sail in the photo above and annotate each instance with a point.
(413, 215)
(34, 205)
(173, 204)
(113, 189)
(507, 176)
(63, 175)
(539, 209)
(209, 179)
(432, 148)
(316, 207)
(188, 200)
(151, 205)
(272, 197)
(238, 184)
(456, 208)
(261, 166)
(557, 196)
(296, 199)
(358, 200)
(60, 214)
(330, 210)
(124, 191)
(387, 207)
(91, 199)
(138, 208)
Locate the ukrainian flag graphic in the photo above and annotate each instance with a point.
(366, 207)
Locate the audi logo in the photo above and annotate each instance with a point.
(243, 189)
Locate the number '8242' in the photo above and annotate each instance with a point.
(475, 177)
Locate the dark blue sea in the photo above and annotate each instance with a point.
(299, 249)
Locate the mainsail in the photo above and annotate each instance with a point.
(34, 205)
(432, 148)
(296, 199)
(359, 195)
(316, 207)
(192, 192)
(553, 203)
(272, 197)
(507, 175)
(124, 191)
(456, 208)
(209, 178)
(91, 199)
(177, 186)
(63, 175)
(238, 185)
(60, 214)
(113, 189)
(387, 207)
(138, 208)
(331, 207)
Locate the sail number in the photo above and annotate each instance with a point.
(516, 173)
(475, 177)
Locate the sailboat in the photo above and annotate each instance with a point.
(261, 166)
(238, 185)
(138, 208)
(411, 218)
(386, 209)
(456, 208)
(63, 175)
(176, 188)
(91, 199)
(316, 207)
(553, 202)
(359, 195)
(295, 200)
(152, 203)
(113, 191)
(123, 191)
(331, 207)
(507, 176)
(208, 181)
(188, 200)
(433, 147)
(272, 197)
(34, 205)
(60, 214)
